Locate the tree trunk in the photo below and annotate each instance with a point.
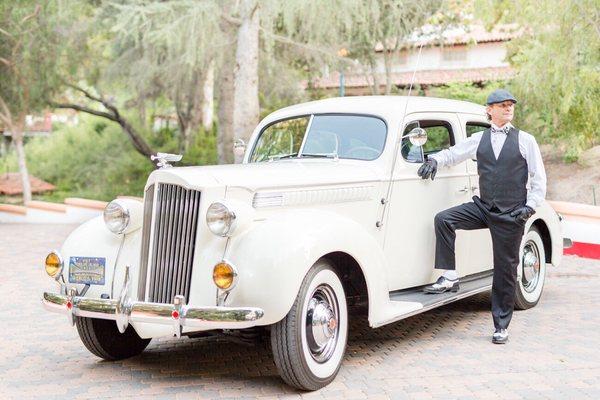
(208, 96)
(225, 112)
(387, 61)
(246, 106)
(17, 138)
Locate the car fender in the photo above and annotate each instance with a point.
(547, 214)
(274, 255)
(93, 239)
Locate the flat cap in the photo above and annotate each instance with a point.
(500, 95)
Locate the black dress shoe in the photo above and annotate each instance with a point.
(500, 336)
(442, 285)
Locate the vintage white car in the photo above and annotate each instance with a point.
(326, 213)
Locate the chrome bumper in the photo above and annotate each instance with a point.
(124, 311)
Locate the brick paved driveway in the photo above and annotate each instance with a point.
(554, 351)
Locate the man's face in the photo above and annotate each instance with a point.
(501, 113)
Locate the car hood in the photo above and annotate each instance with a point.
(256, 176)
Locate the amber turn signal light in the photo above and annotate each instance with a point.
(53, 264)
(224, 275)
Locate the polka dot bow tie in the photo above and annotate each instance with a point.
(502, 130)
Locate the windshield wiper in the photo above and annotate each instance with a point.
(291, 155)
(325, 155)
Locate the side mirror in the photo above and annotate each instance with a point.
(239, 147)
(417, 136)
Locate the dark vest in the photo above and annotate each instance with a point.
(502, 182)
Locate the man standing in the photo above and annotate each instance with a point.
(506, 158)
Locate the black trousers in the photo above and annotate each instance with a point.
(506, 234)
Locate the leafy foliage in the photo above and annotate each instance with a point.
(95, 160)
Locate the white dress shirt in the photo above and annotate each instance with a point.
(536, 187)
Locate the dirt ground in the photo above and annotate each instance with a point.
(572, 182)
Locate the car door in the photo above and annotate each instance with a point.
(480, 255)
(409, 242)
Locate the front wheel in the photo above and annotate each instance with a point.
(102, 338)
(531, 272)
(309, 343)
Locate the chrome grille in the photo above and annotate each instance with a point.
(147, 225)
(175, 221)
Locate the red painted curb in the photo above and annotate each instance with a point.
(587, 250)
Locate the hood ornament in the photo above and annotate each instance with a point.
(165, 158)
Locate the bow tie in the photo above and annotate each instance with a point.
(501, 130)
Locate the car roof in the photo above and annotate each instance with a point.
(386, 107)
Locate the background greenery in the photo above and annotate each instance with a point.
(95, 160)
(134, 60)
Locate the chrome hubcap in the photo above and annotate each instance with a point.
(322, 320)
(531, 266)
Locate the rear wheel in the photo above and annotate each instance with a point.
(102, 338)
(531, 271)
(309, 343)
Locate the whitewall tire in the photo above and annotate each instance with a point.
(310, 342)
(531, 272)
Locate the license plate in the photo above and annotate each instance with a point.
(88, 270)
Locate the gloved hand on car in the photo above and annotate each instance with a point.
(523, 213)
(429, 168)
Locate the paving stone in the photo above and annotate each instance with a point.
(553, 351)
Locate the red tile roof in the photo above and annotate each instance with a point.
(10, 184)
(473, 34)
(424, 77)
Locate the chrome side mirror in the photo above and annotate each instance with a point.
(417, 136)
(239, 147)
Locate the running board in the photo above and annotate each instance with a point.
(469, 285)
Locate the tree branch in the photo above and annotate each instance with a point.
(87, 110)
(113, 115)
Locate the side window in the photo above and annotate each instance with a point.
(473, 127)
(439, 137)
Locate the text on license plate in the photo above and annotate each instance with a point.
(89, 270)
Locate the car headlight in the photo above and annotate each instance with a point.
(116, 217)
(53, 264)
(220, 219)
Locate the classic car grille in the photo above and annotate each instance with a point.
(172, 253)
(148, 203)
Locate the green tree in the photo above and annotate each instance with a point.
(27, 70)
(558, 67)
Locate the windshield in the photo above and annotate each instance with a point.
(335, 136)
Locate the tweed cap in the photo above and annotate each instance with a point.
(500, 95)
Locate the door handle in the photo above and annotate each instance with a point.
(464, 190)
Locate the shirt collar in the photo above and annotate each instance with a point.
(499, 128)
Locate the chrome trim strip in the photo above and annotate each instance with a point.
(314, 196)
(146, 229)
(301, 149)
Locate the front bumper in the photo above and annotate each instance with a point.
(124, 311)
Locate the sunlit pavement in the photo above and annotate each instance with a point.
(553, 351)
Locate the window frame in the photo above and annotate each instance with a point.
(476, 123)
(311, 117)
(446, 123)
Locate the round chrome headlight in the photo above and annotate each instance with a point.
(116, 217)
(220, 219)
